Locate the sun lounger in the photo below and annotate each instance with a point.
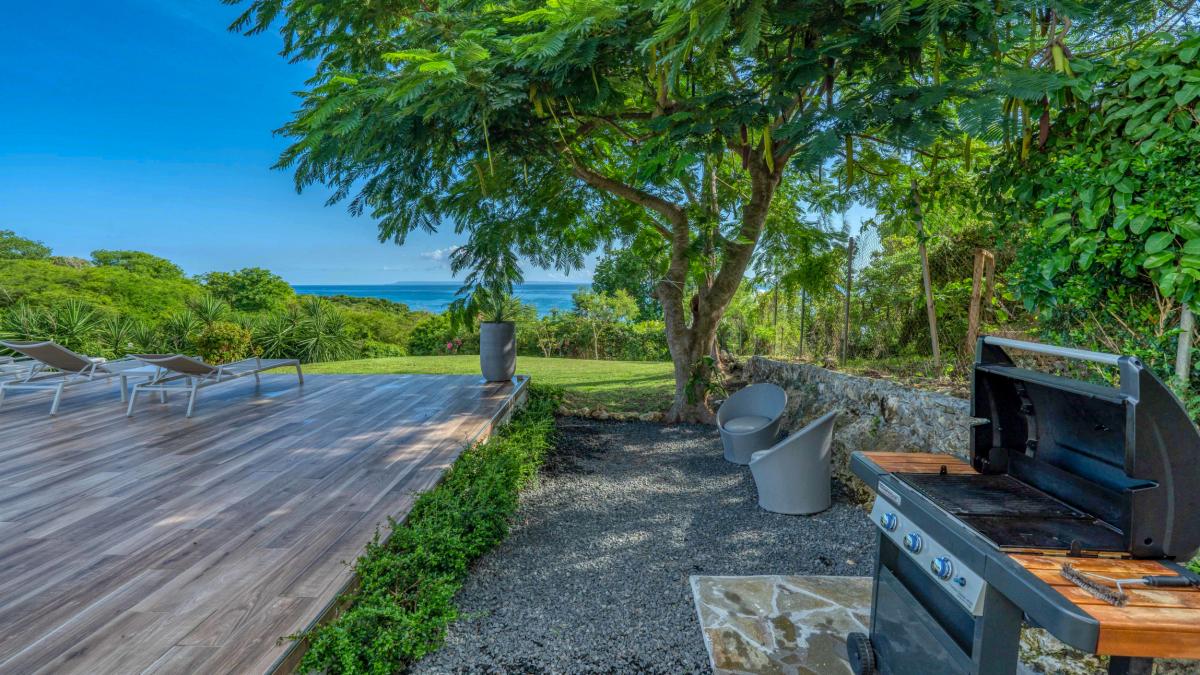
(52, 367)
(184, 373)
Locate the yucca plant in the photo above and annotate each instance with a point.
(73, 324)
(116, 335)
(210, 309)
(275, 335)
(179, 331)
(322, 332)
(22, 322)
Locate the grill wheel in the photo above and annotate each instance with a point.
(861, 654)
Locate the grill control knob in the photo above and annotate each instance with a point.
(889, 522)
(942, 568)
(912, 542)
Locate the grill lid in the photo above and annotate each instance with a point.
(1128, 456)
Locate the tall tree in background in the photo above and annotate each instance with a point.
(518, 122)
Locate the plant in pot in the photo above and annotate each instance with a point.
(495, 310)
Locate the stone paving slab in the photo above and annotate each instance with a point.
(776, 624)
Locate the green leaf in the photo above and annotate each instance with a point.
(1188, 54)
(1185, 95)
(1159, 241)
(1060, 233)
(1158, 259)
(1140, 223)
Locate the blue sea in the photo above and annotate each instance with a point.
(436, 296)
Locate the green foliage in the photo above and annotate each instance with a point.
(484, 304)
(251, 289)
(13, 247)
(312, 330)
(42, 283)
(431, 335)
(409, 576)
(1116, 195)
(209, 308)
(635, 269)
(72, 324)
(138, 262)
(223, 342)
(179, 331)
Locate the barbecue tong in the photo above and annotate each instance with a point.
(1112, 590)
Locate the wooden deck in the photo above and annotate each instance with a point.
(162, 544)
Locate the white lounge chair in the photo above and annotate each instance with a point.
(185, 373)
(794, 476)
(749, 420)
(52, 367)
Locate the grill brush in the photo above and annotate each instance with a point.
(1112, 590)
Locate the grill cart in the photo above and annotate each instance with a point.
(1071, 486)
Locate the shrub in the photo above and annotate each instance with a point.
(408, 579)
(431, 334)
(223, 342)
(374, 349)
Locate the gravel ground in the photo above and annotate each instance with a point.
(594, 575)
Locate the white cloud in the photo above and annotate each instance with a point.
(439, 254)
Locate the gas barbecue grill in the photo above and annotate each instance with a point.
(1107, 479)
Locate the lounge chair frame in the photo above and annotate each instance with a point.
(184, 373)
(52, 367)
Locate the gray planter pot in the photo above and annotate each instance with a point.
(498, 351)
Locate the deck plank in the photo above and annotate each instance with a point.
(167, 545)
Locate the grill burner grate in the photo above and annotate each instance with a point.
(1013, 514)
(988, 495)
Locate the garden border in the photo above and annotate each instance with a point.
(291, 658)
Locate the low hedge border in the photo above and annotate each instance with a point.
(407, 579)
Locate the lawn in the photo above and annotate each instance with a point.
(617, 386)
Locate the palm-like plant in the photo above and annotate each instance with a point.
(210, 309)
(487, 304)
(72, 324)
(179, 331)
(22, 322)
(322, 332)
(117, 335)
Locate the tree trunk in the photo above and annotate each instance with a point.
(693, 343)
(1183, 352)
(930, 309)
(690, 343)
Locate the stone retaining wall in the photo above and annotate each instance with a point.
(873, 414)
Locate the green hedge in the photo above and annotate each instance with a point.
(408, 579)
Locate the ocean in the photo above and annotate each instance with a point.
(436, 296)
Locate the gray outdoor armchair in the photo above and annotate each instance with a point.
(794, 476)
(749, 420)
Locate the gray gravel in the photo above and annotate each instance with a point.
(594, 575)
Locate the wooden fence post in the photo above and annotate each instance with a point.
(985, 268)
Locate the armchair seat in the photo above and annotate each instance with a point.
(794, 477)
(746, 424)
(749, 420)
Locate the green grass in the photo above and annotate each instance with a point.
(618, 386)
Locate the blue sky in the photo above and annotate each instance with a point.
(143, 124)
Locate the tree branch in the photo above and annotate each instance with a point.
(672, 212)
